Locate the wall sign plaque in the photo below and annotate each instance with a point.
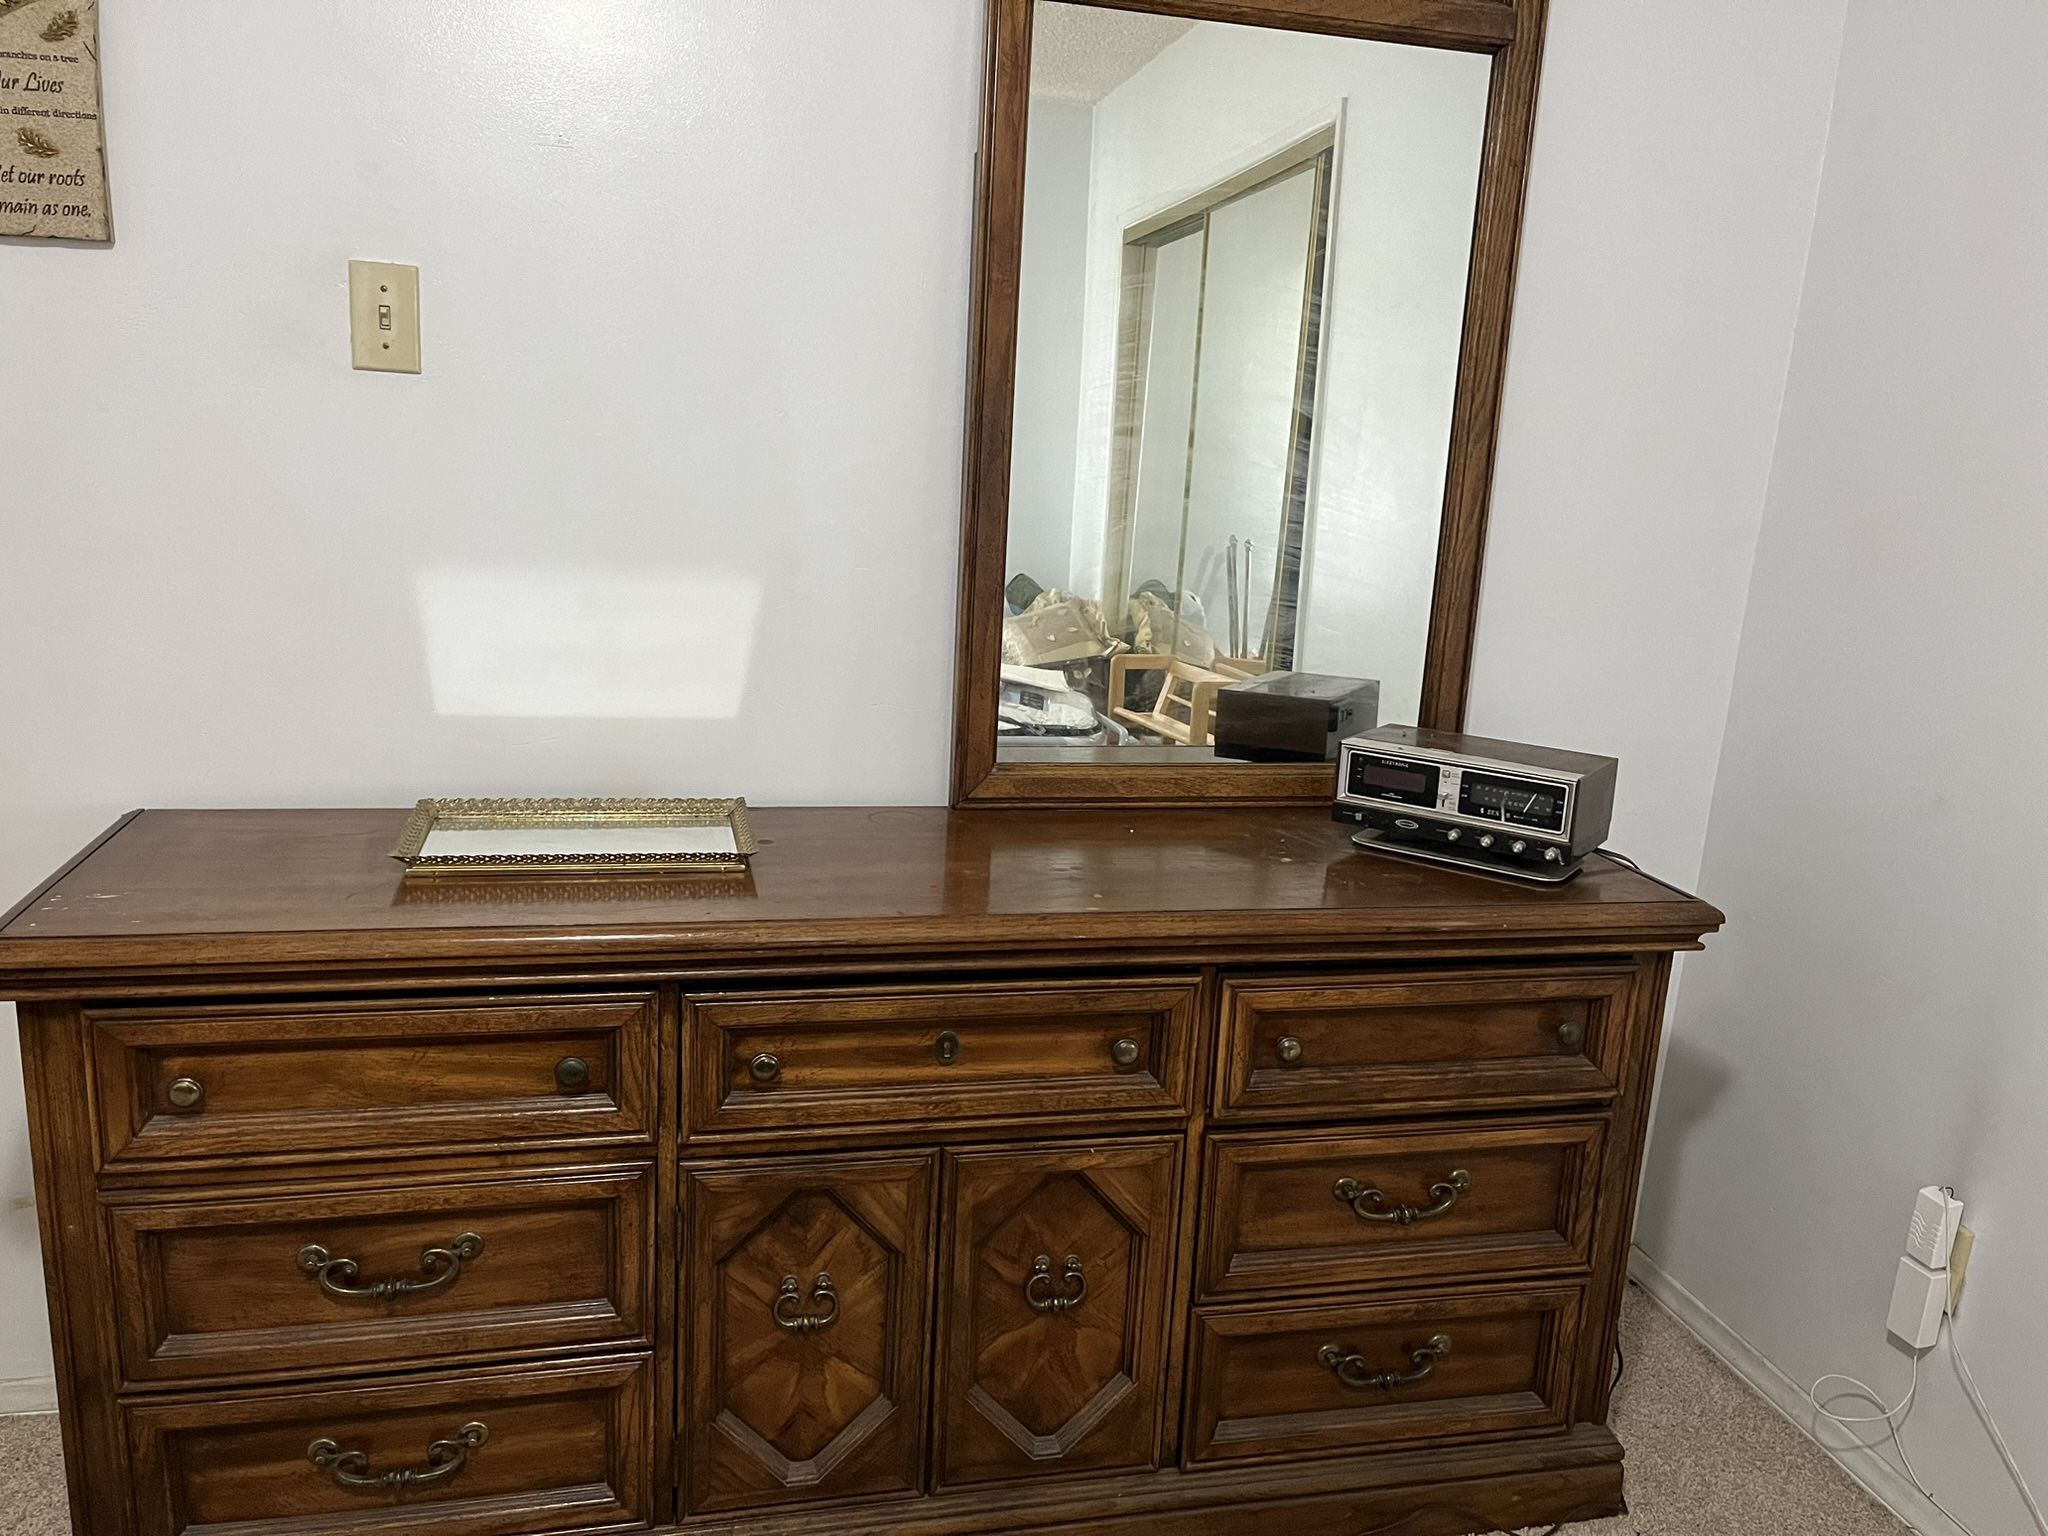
(53, 159)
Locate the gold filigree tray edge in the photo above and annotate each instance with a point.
(658, 812)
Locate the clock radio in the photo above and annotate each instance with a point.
(1498, 806)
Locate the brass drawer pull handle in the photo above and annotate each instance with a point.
(1290, 1051)
(946, 1048)
(790, 1302)
(765, 1068)
(1124, 1053)
(1571, 1035)
(1355, 1371)
(440, 1265)
(351, 1469)
(1371, 1205)
(186, 1094)
(572, 1074)
(1047, 1295)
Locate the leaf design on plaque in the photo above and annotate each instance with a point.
(35, 144)
(62, 25)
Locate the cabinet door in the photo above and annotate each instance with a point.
(1057, 1297)
(807, 1296)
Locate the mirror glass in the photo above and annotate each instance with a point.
(1240, 310)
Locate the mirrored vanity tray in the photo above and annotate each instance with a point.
(464, 838)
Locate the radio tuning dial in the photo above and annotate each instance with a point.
(1486, 839)
(1518, 846)
(1454, 835)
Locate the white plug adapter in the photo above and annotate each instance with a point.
(1919, 1297)
(1937, 1215)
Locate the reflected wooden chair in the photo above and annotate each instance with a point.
(1184, 710)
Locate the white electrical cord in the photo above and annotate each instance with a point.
(1997, 1435)
(1894, 1420)
(1905, 1403)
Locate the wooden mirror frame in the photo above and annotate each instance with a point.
(1511, 31)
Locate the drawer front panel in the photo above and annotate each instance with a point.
(1055, 1307)
(1287, 1382)
(1286, 1211)
(939, 1057)
(807, 1295)
(504, 1454)
(343, 1278)
(1384, 1046)
(375, 1077)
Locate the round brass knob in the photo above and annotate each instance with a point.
(1124, 1053)
(1290, 1051)
(186, 1094)
(765, 1068)
(1571, 1035)
(572, 1074)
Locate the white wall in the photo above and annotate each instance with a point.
(695, 297)
(1215, 101)
(1876, 1017)
(1050, 296)
(209, 598)
(1678, 152)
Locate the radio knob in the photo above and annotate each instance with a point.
(1552, 856)
(1486, 839)
(1454, 835)
(1518, 846)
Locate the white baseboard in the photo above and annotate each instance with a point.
(1874, 1471)
(28, 1394)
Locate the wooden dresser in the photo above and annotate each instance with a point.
(952, 1172)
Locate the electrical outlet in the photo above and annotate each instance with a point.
(1958, 1265)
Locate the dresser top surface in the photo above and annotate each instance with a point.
(186, 889)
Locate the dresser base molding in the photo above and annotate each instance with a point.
(1570, 1478)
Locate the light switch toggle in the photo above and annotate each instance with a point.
(384, 316)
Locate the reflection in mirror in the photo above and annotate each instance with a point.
(1241, 307)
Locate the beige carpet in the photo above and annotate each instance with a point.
(1706, 1457)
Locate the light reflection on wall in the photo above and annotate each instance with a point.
(588, 644)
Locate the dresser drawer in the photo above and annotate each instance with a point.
(1445, 1041)
(499, 1454)
(389, 1276)
(373, 1077)
(1287, 1211)
(938, 1057)
(1280, 1383)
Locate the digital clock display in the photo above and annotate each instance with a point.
(1389, 778)
(1516, 802)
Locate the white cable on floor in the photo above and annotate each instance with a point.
(1905, 1403)
(1894, 1420)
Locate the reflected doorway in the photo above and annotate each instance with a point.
(1219, 341)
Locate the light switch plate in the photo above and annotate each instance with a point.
(384, 316)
